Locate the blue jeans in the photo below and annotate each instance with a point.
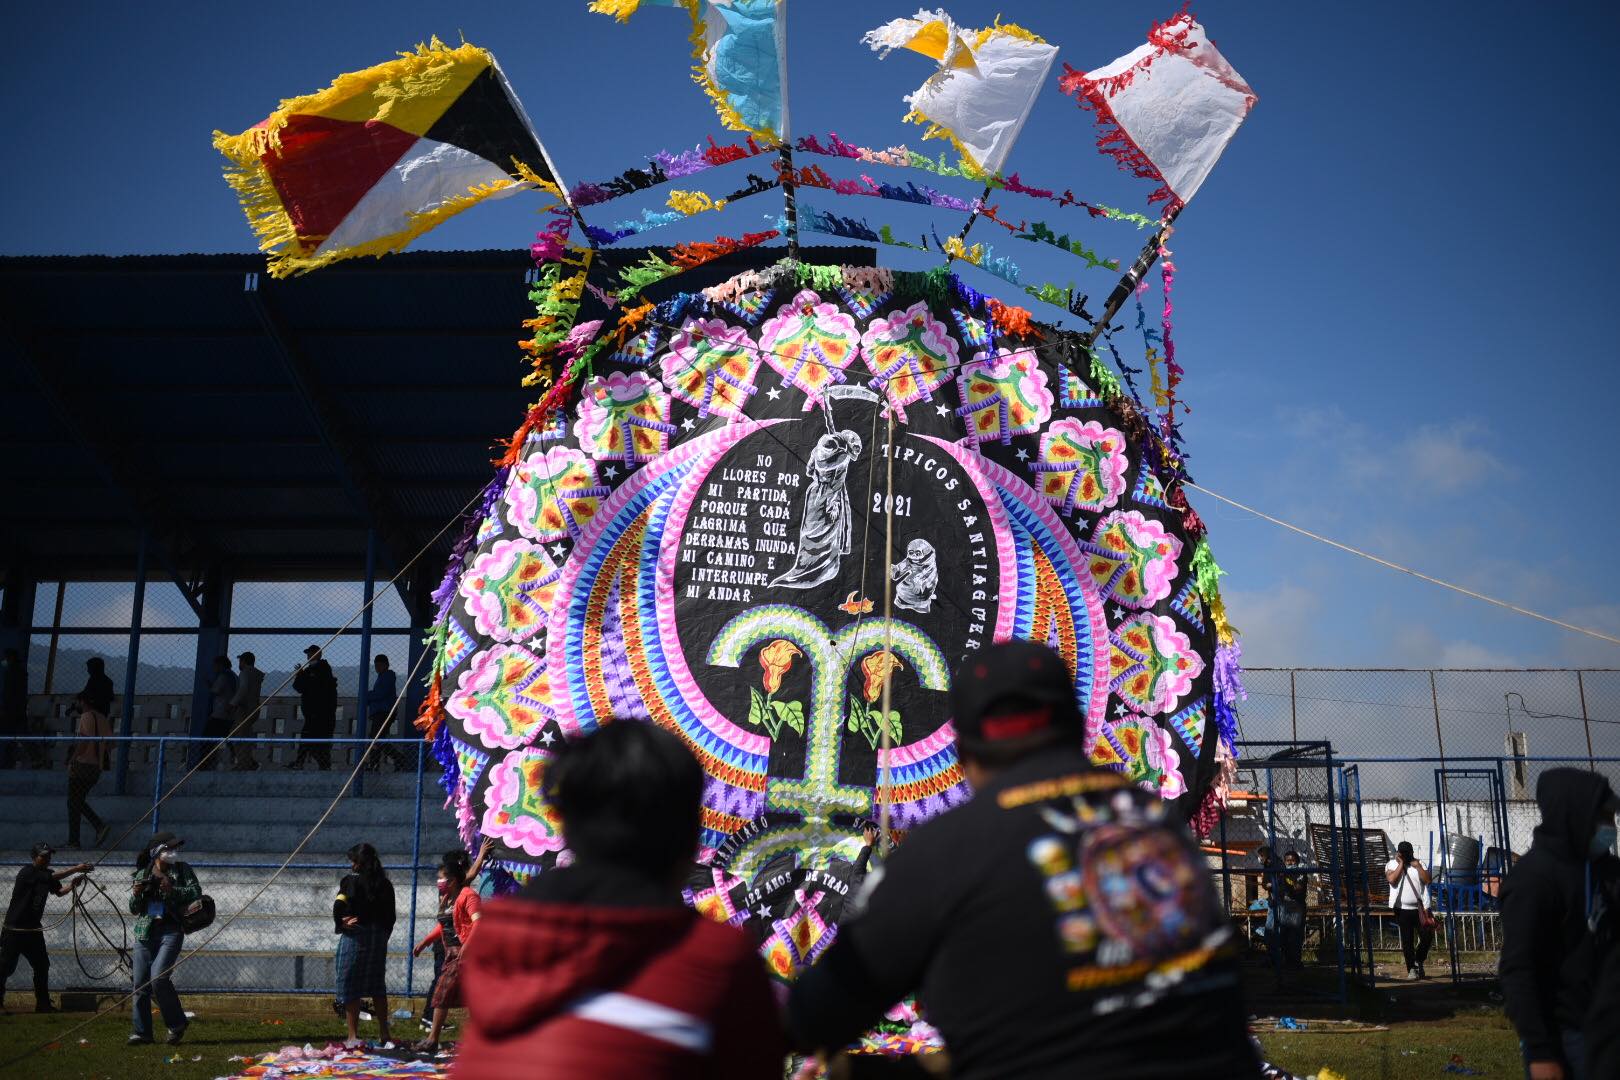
(157, 956)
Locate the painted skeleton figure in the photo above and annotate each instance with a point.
(824, 528)
(916, 577)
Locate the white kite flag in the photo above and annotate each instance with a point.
(1166, 110)
(984, 88)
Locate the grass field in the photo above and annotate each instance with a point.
(228, 1027)
(225, 1027)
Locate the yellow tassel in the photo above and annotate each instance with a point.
(693, 202)
(266, 215)
(957, 250)
(971, 168)
(1011, 30)
(1225, 632)
(531, 177)
(619, 9)
(432, 59)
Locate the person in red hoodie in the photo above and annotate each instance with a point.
(458, 915)
(597, 969)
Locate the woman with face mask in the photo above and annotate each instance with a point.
(458, 915)
(1549, 901)
(161, 890)
(1409, 897)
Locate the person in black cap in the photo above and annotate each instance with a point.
(316, 687)
(24, 934)
(1056, 923)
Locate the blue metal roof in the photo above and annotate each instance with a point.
(257, 426)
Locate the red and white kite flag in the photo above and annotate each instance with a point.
(1167, 109)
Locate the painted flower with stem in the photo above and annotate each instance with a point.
(864, 719)
(763, 709)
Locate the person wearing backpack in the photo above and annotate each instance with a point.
(1408, 887)
(161, 890)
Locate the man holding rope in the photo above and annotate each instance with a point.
(24, 933)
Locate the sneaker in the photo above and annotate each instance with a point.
(1421, 973)
(45, 1007)
(176, 1034)
(139, 1040)
(101, 832)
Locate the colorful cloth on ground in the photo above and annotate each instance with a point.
(984, 88)
(741, 55)
(383, 155)
(706, 532)
(332, 1061)
(1167, 109)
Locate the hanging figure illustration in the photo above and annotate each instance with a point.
(916, 577)
(824, 526)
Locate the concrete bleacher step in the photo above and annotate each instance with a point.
(239, 827)
(230, 812)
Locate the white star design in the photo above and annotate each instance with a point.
(1119, 614)
(763, 912)
(1119, 710)
(558, 551)
(773, 393)
(1022, 455)
(611, 471)
(943, 410)
(687, 424)
(547, 737)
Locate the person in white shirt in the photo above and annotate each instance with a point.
(1408, 895)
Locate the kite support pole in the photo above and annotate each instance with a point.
(885, 787)
(1132, 278)
(972, 218)
(790, 200)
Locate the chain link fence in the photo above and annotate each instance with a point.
(1338, 764)
(274, 931)
(1564, 713)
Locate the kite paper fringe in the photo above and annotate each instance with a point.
(1042, 233)
(683, 257)
(1208, 815)
(619, 9)
(663, 167)
(683, 204)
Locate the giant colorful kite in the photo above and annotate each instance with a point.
(773, 514)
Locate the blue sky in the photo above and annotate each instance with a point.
(1391, 300)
